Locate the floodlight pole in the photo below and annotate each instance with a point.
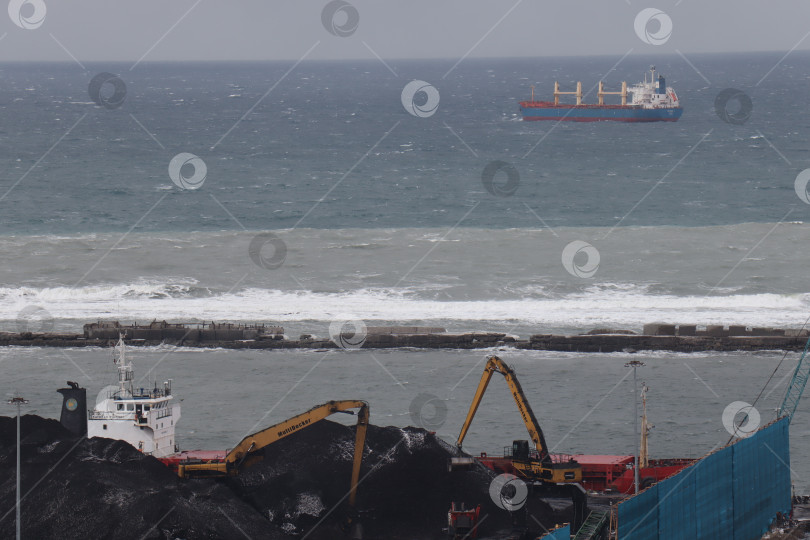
(18, 401)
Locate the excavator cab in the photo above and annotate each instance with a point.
(520, 450)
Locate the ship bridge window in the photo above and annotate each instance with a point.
(130, 407)
(120, 407)
(146, 407)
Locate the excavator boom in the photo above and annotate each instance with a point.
(496, 365)
(543, 468)
(245, 452)
(269, 435)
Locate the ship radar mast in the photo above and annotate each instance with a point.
(644, 456)
(124, 366)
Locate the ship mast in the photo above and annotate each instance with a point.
(643, 457)
(124, 367)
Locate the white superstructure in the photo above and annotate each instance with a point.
(143, 417)
(653, 94)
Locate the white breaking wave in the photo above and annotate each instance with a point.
(596, 306)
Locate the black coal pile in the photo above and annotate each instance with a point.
(405, 488)
(101, 488)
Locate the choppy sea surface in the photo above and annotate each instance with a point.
(325, 199)
(383, 215)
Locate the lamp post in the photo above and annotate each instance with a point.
(635, 364)
(18, 401)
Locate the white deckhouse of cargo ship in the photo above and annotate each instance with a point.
(654, 94)
(143, 417)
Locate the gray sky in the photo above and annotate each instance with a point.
(160, 30)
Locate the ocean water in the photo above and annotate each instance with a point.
(325, 200)
(383, 215)
(338, 133)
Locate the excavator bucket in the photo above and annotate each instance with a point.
(460, 464)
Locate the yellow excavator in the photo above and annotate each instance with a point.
(248, 451)
(534, 466)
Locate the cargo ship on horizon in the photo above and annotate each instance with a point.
(651, 101)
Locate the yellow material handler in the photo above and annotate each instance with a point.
(538, 465)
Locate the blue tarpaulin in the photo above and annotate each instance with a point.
(714, 501)
(675, 501)
(563, 533)
(733, 493)
(638, 516)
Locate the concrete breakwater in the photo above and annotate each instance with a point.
(663, 337)
(191, 332)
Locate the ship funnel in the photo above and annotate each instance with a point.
(74, 408)
(662, 85)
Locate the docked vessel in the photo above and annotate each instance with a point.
(143, 417)
(650, 101)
